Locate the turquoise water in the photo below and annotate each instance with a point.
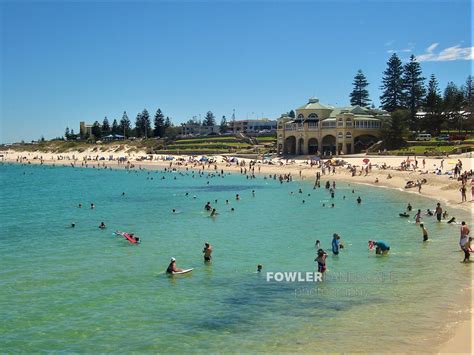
(84, 289)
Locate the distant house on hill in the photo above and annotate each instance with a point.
(85, 129)
(113, 137)
(196, 129)
(253, 126)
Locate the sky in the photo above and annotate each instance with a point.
(70, 61)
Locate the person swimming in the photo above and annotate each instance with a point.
(207, 252)
(214, 212)
(452, 220)
(429, 212)
(409, 208)
(318, 244)
(73, 225)
(259, 267)
(359, 200)
(172, 267)
(321, 260)
(404, 214)
(102, 225)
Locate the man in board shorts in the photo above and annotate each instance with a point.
(439, 212)
(207, 252)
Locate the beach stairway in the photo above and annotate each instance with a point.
(250, 140)
(374, 148)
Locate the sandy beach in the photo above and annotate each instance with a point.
(384, 173)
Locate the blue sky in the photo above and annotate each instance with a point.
(64, 62)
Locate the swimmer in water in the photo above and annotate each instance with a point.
(359, 200)
(452, 220)
(174, 211)
(318, 244)
(102, 225)
(172, 267)
(335, 244)
(214, 212)
(207, 252)
(259, 267)
(232, 209)
(381, 248)
(237, 197)
(73, 225)
(409, 208)
(80, 205)
(425, 232)
(371, 245)
(321, 260)
(418, 216)
(92, 206)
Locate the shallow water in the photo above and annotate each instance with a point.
(84, 289)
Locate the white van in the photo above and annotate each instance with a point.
(423, 137)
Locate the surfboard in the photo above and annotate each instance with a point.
(182, 272)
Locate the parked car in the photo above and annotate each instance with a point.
(442, 137)
(423, 137)
(457, 137)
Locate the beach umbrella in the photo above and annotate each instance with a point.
(366, 161)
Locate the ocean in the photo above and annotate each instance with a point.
(84, 289)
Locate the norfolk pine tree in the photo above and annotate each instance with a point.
(360, 95)
(392, 85)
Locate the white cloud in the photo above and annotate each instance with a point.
(432, 47)
(404, 50)
(389, 43)
(448, 54)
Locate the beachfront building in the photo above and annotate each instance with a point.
(85, 129)
(320, 129)
(253, 126)
(195, 129)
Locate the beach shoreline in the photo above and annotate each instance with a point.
(438, 187)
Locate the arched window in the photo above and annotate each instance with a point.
(313, 115)
(340, 135)
(300, 116)
(348, 135)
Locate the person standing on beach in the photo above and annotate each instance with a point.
(439, 212)
(425, 232)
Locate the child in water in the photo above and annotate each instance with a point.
(321, 260)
